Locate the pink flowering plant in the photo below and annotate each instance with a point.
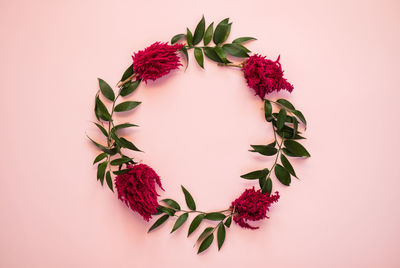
(137, 183)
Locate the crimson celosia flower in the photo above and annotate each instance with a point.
(137, 188)
(252, 205)
(156, 60)
(264, 75)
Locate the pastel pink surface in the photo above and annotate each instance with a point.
(195, 128)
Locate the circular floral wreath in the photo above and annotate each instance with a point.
(136, 182)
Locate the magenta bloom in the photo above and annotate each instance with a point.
(156, 60)
(265, 76)
(252, 205)
(137, 188)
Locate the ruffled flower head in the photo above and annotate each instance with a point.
(156, 61)
(137, 189)
(265, 76)
(252, 205)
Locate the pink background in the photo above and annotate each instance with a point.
(196, 126)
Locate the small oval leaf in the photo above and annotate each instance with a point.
(106, 90)
(209, 33)
(243, 39)
(126, 106)
(176, 38)
(199, 31)
(264, 149)
(172, 203)
(99, 158)
(195, 223)
(189, 199)
(296, 148)
(189, 37)
(160, 221)
(180, 221)
(206, 243)
(268, 110)
(214, 216)
(282, 174)
(198, 54)
(286, 104)
(221, 236)
(228, 222)
(128, 88)
(109, 181)
(255, 174)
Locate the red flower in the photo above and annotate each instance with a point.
(253, 206)
(156, 60)
(138, 190)
(265, 76)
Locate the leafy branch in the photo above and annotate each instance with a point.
(107, 158)
(285, 125)
(205, 239)
(217, 53)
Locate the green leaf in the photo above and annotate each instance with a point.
(287, 133)
(268, 110)
(101, 169)
(245, 49)
(228, 222)
(211, 54)
(264, 149)
(176, 38)
(189, 199)
(99, 158)
(120, 161)
(209, 33)
(267, 187)
(300, 116)
(109, 181)
(285, 162)
(124, 125)
(221, 235)
(189, 37)
(129, 145)
(169, 211)
(256, 174)
(204, 233)
(214, 216)
(286, 104)
(102, 129)
(128, 72)
(184, 50)
(181, 220)
(235, 50)
(106, 90)
(172, 203)
(103, 110)
(221, 54)
(122, 171)
(295, 127)
(281, 118)
(160, 221)
(128, 88)
(98, 145)
(195, 223)
(206, 243)
(243, 39)
(199, 31)
(296, 148)
(198, 54)
(262, 181)
(126, 106)
(222, 31)
(282, 174)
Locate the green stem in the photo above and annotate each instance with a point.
(277, 154)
